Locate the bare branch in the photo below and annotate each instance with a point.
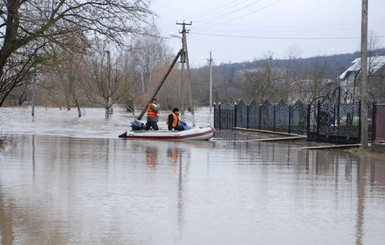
(36, 29)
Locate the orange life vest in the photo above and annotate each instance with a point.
(175, 120)
(150, 111)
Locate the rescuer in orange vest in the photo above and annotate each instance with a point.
(173, 120)
(152, 115)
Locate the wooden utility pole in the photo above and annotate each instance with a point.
(109, 86)
(185, 59)
(211, 83)
(364, 74)
(34, 95)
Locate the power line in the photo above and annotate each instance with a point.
(285, 30)
(277, 38)
(231, 12)
(216, 10)
(243, 15)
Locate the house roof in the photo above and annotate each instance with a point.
(374, 64)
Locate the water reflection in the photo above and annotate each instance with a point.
(5, 222)
(64, 190)
(151, 156)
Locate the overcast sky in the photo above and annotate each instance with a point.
(245, 30)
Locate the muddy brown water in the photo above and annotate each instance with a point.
(69, 180)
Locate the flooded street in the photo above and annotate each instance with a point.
(70, 180)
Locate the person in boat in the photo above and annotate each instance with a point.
(174, 121)
(152, 115)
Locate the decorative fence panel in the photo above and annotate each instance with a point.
(298, 118)
(254, 116)
(241, 112)
(224, 116)
(334, 118)
(267, 116)
(282, 117)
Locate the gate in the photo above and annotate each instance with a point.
(334, 118)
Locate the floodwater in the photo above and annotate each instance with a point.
(69, 180)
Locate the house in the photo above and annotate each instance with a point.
(350, 78)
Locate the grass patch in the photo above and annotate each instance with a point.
(377, 151)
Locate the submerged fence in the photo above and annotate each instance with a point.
(332, 118)
(280, 117)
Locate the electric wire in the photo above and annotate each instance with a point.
(243, 15)
(216, 23)
(216, 17)
(278, 38)
(215, 11)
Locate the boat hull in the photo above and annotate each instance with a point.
(199, 133)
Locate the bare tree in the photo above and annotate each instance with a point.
(262, 83)
(32, 32)
(374, 44)
(376, 73)
(290, 74)
(149, 53)
(69, 78)
(108, 77)
(314, 80)
(201, 85)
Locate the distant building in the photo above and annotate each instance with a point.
(350, 78)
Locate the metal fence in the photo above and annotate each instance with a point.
(273, 117)
(334, 117)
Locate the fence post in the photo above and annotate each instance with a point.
(260, 117)
(219, 116)
(235, 113)
(359, 121)
(290, 119)
(338, 114)
(274, 112)
(215, 114)
(308, 119)
(318, 116)
(247, 116)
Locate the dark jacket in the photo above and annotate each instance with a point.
(173, 122)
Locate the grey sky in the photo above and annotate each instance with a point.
(244, 30)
